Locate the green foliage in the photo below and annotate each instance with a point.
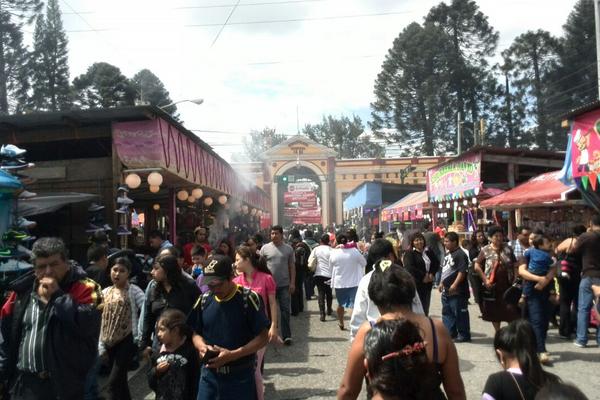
(103, 86)
(413, 93)
(49, 63)
(258, 143)
(14, 82)
(152, 90)
(344, 135)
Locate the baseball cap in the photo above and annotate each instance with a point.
(218, 268)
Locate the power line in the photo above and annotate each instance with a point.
(225, 23)
(273, 21)
(249, 4)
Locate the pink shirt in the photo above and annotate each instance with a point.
(262, 283)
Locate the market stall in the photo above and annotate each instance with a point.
(545, 203)
(413, 209)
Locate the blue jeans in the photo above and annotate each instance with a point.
(239, 385)
(538, 312)
(282, 295)
(455, 315)
(586, 297)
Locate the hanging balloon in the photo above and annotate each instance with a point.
(208, 201)
(133, 181)
(197, 193)
(182, 195)
(154, 189)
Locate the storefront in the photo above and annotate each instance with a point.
(456, 188)
(545, 203)
(413, 209)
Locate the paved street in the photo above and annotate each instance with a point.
(313, 366)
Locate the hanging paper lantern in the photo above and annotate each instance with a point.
(133, 181)
(182, 195)
(197, 193)
(156, 207)
(222, 199)
(447, 205)
(191, 199)
(465, 202)
(208, 201)
(474, 200)
(154, 189)
(155, 179)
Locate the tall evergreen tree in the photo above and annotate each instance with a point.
(473, 41)
(50, 69)
(151, 89)
(534, 56)
(344, 135)
(13, 15)
(103, 86)
(412, 93)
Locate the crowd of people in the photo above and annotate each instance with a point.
(201, 315)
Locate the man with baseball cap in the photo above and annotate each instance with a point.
(231, 326)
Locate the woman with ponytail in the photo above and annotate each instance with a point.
(523, 375)
(419, 353)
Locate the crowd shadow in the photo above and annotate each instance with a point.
(297, 393)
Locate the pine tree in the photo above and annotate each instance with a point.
(103, 86)
(412, 100)
(534, 56)
(13, 15)
(473, 41)
(151, 89)
(50, 69)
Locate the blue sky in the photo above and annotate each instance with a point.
(277, 56)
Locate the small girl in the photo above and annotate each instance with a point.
(175, 369)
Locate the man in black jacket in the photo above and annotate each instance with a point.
(49, 327)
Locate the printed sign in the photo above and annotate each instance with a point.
(300, 187)
(585, 145)
(290, 197)
(454, 177)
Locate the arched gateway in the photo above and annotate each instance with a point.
(308, 183)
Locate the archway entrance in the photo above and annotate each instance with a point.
(299, 195)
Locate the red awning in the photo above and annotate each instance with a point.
(545, 189)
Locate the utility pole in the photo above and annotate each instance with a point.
(597, 19)
(297, 120)
(459, 132)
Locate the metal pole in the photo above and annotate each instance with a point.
(597, 19)
(458, 135)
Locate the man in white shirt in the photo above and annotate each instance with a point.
(364, 309)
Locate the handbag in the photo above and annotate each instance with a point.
(312, 262)
(513, 293)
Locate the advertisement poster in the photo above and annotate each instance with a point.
(585, 148)
(455, 177)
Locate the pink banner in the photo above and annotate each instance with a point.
(454, 177)
(585, 146)
(290, 197)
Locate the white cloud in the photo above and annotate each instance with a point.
(257, 75)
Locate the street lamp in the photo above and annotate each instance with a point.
(195, 101)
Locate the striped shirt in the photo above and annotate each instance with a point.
(33, 343)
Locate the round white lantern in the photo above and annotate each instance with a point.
(155, 179)
(208, 201)
(197, 193)
(465, 202)
(222, 199)
(474, 200)
(133, 181)
(191, 199)
(156, 207)
(154, 188)
(182, 195)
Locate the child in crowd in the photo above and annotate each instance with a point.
(198, 255)
(175, 370)
(539, 262)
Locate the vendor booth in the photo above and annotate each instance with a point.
(545, 203)
(456, 188)
(413, 209)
